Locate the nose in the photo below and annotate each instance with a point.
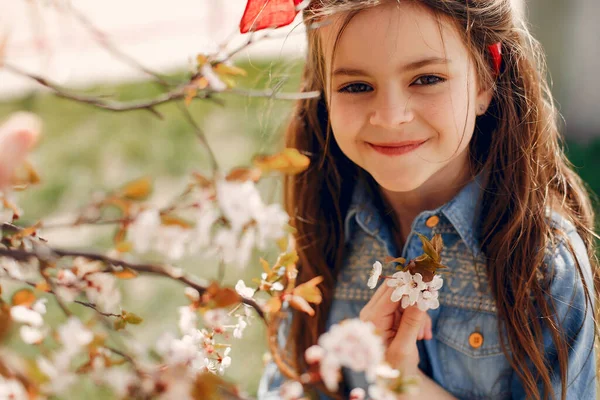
(391, 110)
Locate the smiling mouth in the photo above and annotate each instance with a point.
(396, 149)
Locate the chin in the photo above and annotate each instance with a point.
(400, 182)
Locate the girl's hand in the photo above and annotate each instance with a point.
(18, 135)
(399, 328)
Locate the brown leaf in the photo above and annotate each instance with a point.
(309, 290)
(428, 248)
(438, 243)
(25, 175)
(124, 247)
(288, 259)
(300, 304)
(119, 324)
(132, 318)
(173, 220)
(225, 297)
(137, 190)
(201, 59)
(399, 260)
(241, 174)
(273, 305)
(225, 69)
(201, 180)
(289, 161)
(265, 265)
(126, 273)
(206, 387)
(43, 286)
(120, 235)
(5, 320)
(23, 297)
(282, 243)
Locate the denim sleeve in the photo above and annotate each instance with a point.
(575, 315)
(272, 379)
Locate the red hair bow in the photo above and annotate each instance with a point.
(496, 53)
(262, 14)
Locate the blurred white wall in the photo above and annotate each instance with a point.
(161, 35)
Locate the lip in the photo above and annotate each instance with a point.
(396, 148)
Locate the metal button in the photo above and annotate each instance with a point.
(476, 340)
(432, 221)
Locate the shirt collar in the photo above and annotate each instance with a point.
(462, 212)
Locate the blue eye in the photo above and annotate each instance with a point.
(428, 80)
(356, 88)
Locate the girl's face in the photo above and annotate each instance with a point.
(403, 96)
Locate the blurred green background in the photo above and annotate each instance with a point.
(85, 150)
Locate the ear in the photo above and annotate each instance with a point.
(483, 100)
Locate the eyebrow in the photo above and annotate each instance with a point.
(409, 67)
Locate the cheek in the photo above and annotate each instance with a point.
(347, 120)
(447, 114)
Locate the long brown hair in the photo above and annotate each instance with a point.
(517, 141)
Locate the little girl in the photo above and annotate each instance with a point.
(435, 117)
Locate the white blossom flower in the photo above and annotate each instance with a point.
(408, 287)
(74, 335)
(213, 79)
(102, 290)
(192, 293)
(291, 390)
(238, 331)
(357, 394)
(239, 202)
(11, 268)
(245, 247)
(12, 389)
(60, 379)
(31, 335)
(201, 236)
(180, 351)
(330, 371)
(243, 290)
(415, 286)
(143, 230)
(40, 306)
(314, 354)
(270, 221)
(216, 318)
(374, 275)
(172, 241)
(26, 315)
(188, 320)
(353, 344)
(225, 361)
(379, 392)
(428, 300)
(68, 284)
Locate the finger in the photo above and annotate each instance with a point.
(17, 137)
(378, 307)
(428, 333)
(406, 338)
(367, 310)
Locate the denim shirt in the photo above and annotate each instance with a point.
(465, 356)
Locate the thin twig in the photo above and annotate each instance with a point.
(169, 272)
(201, 136)
(102, 38)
